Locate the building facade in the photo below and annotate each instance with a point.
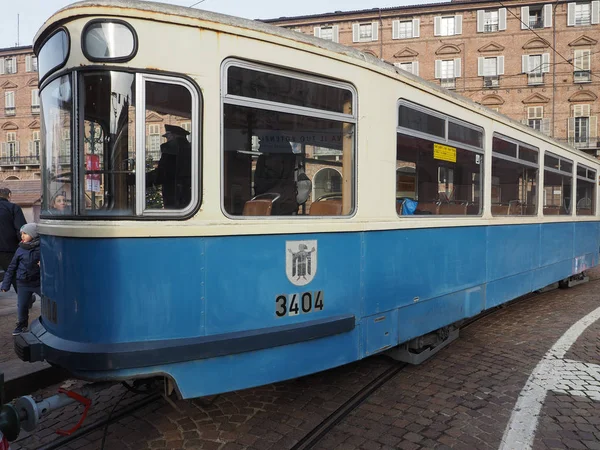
(19, 116)
(534, 61)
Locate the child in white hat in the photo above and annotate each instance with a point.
(25, 266)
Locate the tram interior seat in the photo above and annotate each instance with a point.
(453, 209)
(258, 207)
(500, 210)
(530, 210)
(326, 208)
(429, 207)
(551, 210)
(584, 211)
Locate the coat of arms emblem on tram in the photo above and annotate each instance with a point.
(301, 261)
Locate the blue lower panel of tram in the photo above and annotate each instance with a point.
(225, 313)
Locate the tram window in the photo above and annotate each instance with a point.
(558, 185)
(245, 82)
(465, 135)
(168, 158)
(442, 180)
(53, 53)
(417, 120)
(56, 120)
(108, 148)
(266, 150)
(105, 40)
(586, 191)
(514, 178)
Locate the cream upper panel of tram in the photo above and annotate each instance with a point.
(375, 145)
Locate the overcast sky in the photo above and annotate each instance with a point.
(33, 13)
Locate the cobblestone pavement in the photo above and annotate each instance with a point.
(462, 398)
(8, 319)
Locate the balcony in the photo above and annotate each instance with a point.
(10, 111)
(582, 76)
(491, 81)
(583, 142)
(19, 161)
(448, 83)
(35, 109)
(490, 27)
(536, 23)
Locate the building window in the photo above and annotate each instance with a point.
(583, 13)
(34, 148)
(365, 32)
(582, 126)
(8, 65)
(328, 33)
(582, 66)
(535, 119)
(535, 66)
(447, 25)
(490, 69)
(490, 21)
(536, 16)
(153, 142)
(31, 63)
(412, 67)
(447, 71)
(405, 29)
(10, 149)
(9, 103)
(35, 101)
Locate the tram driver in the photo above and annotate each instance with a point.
(174, 171)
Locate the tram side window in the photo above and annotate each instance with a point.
(108, 159)
(514, 178)
(558, 185)
(284, 160)
(586, 191)
(436, 179)
(58, 164)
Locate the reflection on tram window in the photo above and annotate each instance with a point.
(432, 179)
(108, 153)
(558, 185)
(168, 150)
(268, 152)
(56, 125)
(586, 191)
(514, 178)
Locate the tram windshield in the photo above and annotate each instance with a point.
(101, 170)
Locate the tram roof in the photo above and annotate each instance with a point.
(123, 6)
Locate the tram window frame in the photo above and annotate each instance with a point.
(585, 175)
(507, 155)
(449, 151)
(43, 75)
(123, 58)
(557, 166)
(239, 199)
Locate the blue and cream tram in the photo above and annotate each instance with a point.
(208, 259)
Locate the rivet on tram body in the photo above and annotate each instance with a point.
(416, 299)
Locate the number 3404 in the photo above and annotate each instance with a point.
(294, 304)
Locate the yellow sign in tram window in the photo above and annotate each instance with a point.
(444, 152)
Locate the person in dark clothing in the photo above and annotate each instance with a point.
(275, 175)
(11, 221)
(25, 268)
(174, 171)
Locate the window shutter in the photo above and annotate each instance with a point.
(545, 62)
(457, 68)
(336, 33)
(374, 31)
(355, 32)
(595, 12)
(416, 67)
(17, 148)
(593, 127)
(502, 19)
(480, 66)
(437, 25)
(480, 19)
(416, 27)
(570, 14)
(571, 128)
(581, 110)
(547, 16)
(545, 128)
(525, 63)
(317, 32)
(500, 65)
(587, 63)
(1, 66)
(438, 68)
(28, 63)
(395, 29)
(458, 24)
(4, 149)
(524, 17)
(30, 148)
(14, 64)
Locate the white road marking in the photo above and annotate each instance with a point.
(553, 373)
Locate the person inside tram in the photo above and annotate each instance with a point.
(59, 204)
(174, 169)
